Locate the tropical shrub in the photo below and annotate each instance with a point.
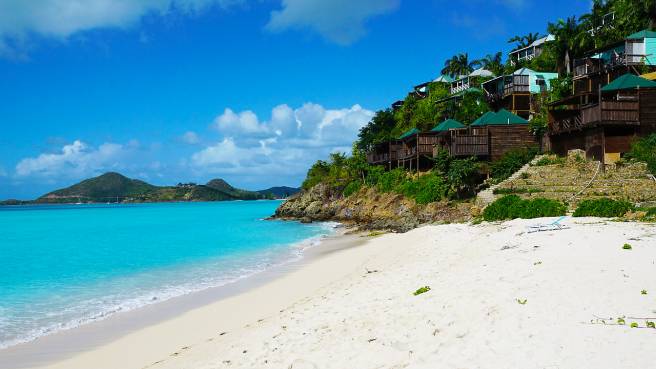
(427, 188)
(352, 187)
(512, 206)
(511, 162)
(391, 180)
(606, 208)
(645, 150)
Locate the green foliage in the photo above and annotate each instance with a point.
(522, 302)
(427, 188)
(378, 130)
(463, 175)
(511, 162)
(634, 325)
(421, 290)
(650, 325)
(391, 180)
(459, 65)
(512, 206)
(643, 292)
(561, 87)
(645, 150)
(550, 160)
(606, 208)
(352, 187)
(471, 106)
(626, 246)
(621, 321)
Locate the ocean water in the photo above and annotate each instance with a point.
(65, 265)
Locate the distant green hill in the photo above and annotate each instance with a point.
(113, 187)
(281, 192)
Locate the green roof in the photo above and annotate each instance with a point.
(482, 120)
(447, 125)
(642, 34)
(501, 117)
(628, 82)
(409, 133)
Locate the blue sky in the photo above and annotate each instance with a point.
(249, 91)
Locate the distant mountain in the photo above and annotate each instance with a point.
(103, 188)
(223, 186)
(114, 187)
(281, 192)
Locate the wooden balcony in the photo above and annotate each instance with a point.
(466, 143)
(589, 66)
(606, 113)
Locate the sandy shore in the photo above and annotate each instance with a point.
(499, 298)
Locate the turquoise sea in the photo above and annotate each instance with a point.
(64, 265)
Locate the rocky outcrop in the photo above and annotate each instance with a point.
(369, 209)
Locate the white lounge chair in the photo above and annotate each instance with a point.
(553, 226)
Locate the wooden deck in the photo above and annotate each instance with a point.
(606, 113)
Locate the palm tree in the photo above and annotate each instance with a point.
(459, 65)
(493, 63)
(568, 36)
(524, 41)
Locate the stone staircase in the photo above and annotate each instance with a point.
(574, 179)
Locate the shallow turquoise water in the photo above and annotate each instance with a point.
(65, 265)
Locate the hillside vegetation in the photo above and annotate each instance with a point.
(114, 187)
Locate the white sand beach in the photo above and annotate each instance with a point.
(499, 298)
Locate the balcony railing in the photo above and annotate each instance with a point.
(587, 66)
(606, 113)
(469, 145)
(459, 86)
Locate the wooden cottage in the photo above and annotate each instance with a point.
(492, 135)
(625, 109)
(531, 51)
(443, 133)
(385, 154)
(516, 92)
(416, 150)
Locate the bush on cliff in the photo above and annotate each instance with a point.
(645, 150)
(512, 206)
(605, 208)
(511, 162)
(427, 188)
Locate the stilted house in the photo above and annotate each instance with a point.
(531, 51)
(516, 92)
(472, 80)
(626, 110)
(492, 135)
(610, 105)
(385, 154)
(416, 150)
(443, 134)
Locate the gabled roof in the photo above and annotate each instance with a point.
(535, 43)
(447, 125)
(444, 78)
(409, 133)
(482, 120)
(502, 117)
(642, 34)
(628, 81)
(480, 72)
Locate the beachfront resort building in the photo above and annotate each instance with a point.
(612, 104)
(517, 92)
(529, 52)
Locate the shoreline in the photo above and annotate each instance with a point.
(499, 297)
(66, 343)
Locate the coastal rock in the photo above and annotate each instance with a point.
(368, 209)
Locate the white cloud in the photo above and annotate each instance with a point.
(285, 145)
(339, 21)
(190, 137)
(74, 160)
(60, 19)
